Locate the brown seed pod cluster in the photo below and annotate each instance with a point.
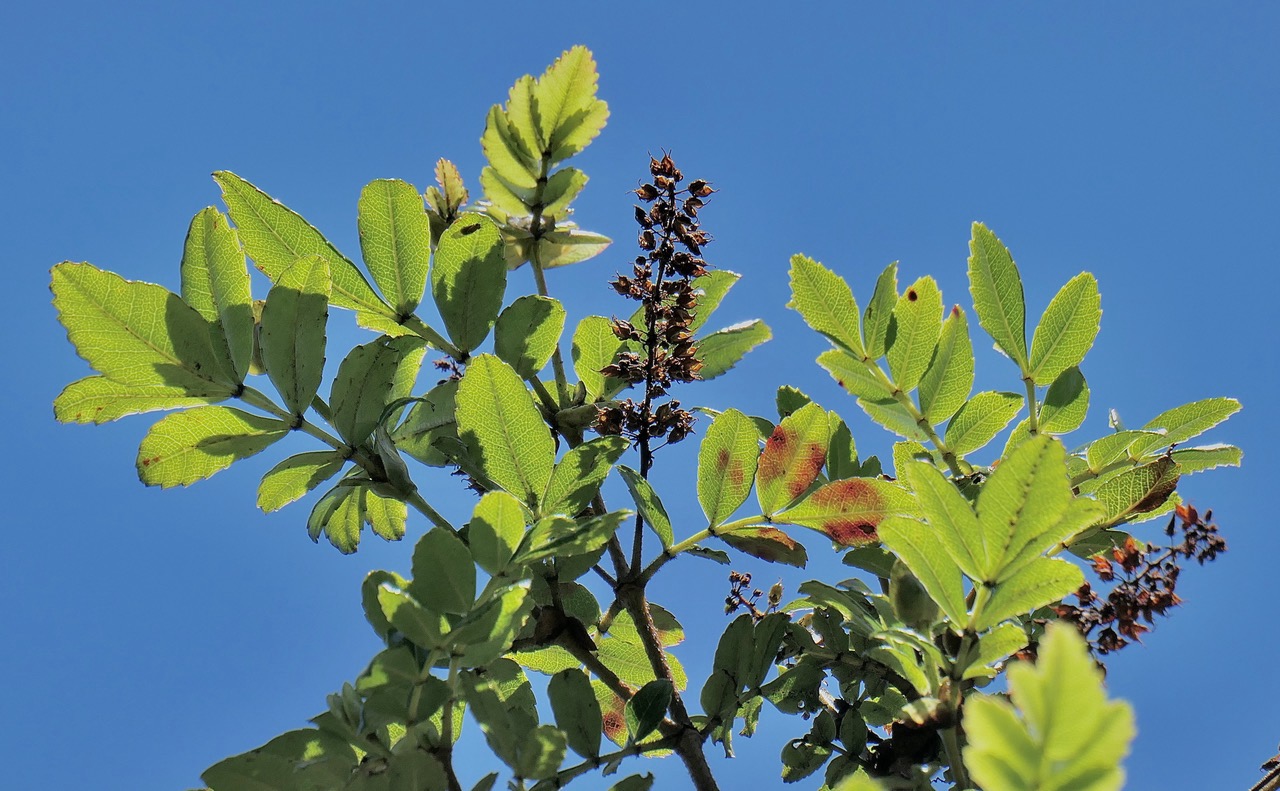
(660, 351)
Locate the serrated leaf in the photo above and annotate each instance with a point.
(980, 420)
(293, 331)
(996, 287)
(339, 516)
(565, 246)
(1186, 422)
(430, 418)
(363, 384)
(395, 239)
(275, 237)
(504, 195)
(444, 574)
(996, 646)
(1065, 404)
(855, 376)
(727, 462)
(563, 186)
(1111, 448)
(496, 530)
(454, 192)
(1207, 458)
(769, 544)
(215, 281)
(792, 459)
(507, 155)
(468, 278)
(578, 476)
(723, 349)
(387, 517)
(568, 114)
(849, 511)
(1139, 490)
(594, 347)
(875, 322)
(1040, 583)
(527, 333)
(137, 333)
(913, 332)
(630, 662)
(190, 446)
(648, 504)
(1067, 329)
(1025, 496)
(646, 709)
(502, 429)
(97, 399)
(1025, 546)
(952, 518)
(711, 289)
(577, 711)
(826, 303)
(949, 378)
(842, 451)
(297, 475)
(895, 417)
(917, 546)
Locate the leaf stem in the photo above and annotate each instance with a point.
(692, 541)
(1033, 417)
(957, 465)
(537, 231)
(425, 332)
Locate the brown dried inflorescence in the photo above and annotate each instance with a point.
(1144, 579)
(661, 351)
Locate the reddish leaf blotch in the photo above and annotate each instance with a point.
(851, 496)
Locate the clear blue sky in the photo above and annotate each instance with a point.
(149, 634)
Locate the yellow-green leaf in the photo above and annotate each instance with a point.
(949, 379)
(527, 333)
(996, 287)
(793, 458)
(727, 464)
(190, 446)
(297, 475)
(875, 322)
(1067, 329)
(293, 331)
(395, 239)
(913, 332)
(722, 349)
(503, 430)
(97, 399)
(826, 302)
(468, 279)
(980, 419)
(215, 281)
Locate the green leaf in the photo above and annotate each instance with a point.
(215, 282)
(137, 334)
(417, 623)
(712, 288)
(97, 399)
(793, 458)
(645, 710)
(503, 430)
(723, 349)
(579, 475)
(980, 420)
(395, 239)
(996, 287)
(293, 331)
(594, 347)
(496, 530)
(727, 464)
(1139, 490)
(563, 186)
(275, 237)
(801, 759)
(369, 600)
(568, 114)
(297, 475)
(577, 711)
(895, 417)
(849, 511)
(527, 333)
(1111, 448)
(363, 386)
(826, 302)
(1207, 458)
(918, 547)
(1025, 496)
(1065, 404)
(1064, 733)
(387, 517)
(468, 279)
(561, 536)
(996, 646)
(339, 515)
(949, 378)
(486, 634)
(1185, 422)
(913, 332)
(951, 517)
(1026, 546)
(444, 574)
(540, 753)
(768, 544)
(508, 156)
(503, 194)
(633, 783)
(855, 376)
(1036, 585)
(842, 452)
(1067, 329)
(568, 245)
(875, 322)
(648, 504)
(429, 419)
(190, 446)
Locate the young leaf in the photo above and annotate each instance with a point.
(395, 239)
(275, 237)
(444, 574)
(769, 544)
(849, 511)
(875, 322)
(645, 710)
(1065, 404)
(468, 279)
(856, 377)
(297, 475)
(980, 419)
(917, 546)
(1063, 734)
(527, 333)
(1040, 583)
(727, 464)
(568, 245)
(502, 429)
(723, 349)
(508, 157)
(1185, 422)
(215, 282)
(648, 504)
(996, 287)
(563, 186)
(1067, 329)
(594, 347)
(293, 331)
(496, 530)
(913, 332)
(363, 385)
(190, 446)
(569, 115)
(339, 515)
(577, 711)
(826, 302)
(137, 334)
(97, 399)
(579, 475)
(949, 378)
(713, 286)
(792, 459)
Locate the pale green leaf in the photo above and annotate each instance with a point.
(727, 464)
(980, 420)
(503, 430)
(792, 459)
(496, 530)
(1025, 496)
(913, 332)
(387, 517)
(895, 417)
(996, 646)
(723, 349)
(541, 752)
(339, 516)
(563, 186)
(1067, 329)
(527, 333)
(275, 237)
(1038, 584)
(1186, 422)
(594, 347)
(468, 279)
(648, 504)
(856, 377)
(297, 475)
(950, 515)
(949, 379)
(917, 546)
(97, 399)
(1139, 490)
(503, 194)
(395, 239)
(849, 511)
(1065, 404)
(826, 302)
(711, 288)
(996, 287)
(363, 384)
(567, 245)
(506, 154)
(578, 476)
(293, 331)
(875, 322)
(1207, 458)
(215, 281)
(190, 446)
(568, 113)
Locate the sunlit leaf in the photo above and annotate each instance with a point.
(1186, 422)
(594, 347)
(395, 238)
(1067, 329)
(297, 475)
(190, 446)
(849, 511)
(648, 504)
(723, 349)
(768, 544)
(875, 322)
(826, 302)
(1036, 585)
(502, 429)
(996, 287)
(980, 419)
(917, 546)
(215, 282)
(468, 278)
(444, 575)
(293, 331)
(97, 399)
(855, 376)
(527, 333)
(578, 476)
(496, 529)
(569, 115)
(711, 288)
(565, 246)
(363, 385)
(913, 332)
(1139, 490)
(1065, 404)
(949, 378)
(727, 464)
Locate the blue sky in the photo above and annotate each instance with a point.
(151, 633)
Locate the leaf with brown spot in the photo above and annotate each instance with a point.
(849, 511)
(727, 464)
(793, 457)
(768, 543)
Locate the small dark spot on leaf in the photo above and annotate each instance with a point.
(469, 229)
(955, 310)
(912, 296)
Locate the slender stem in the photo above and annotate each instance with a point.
(692, 541)
(957, 465)
(1033, 420)
(537, 231)
(425, 332)
(951, 742)
(565, 775)
(424, 508)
